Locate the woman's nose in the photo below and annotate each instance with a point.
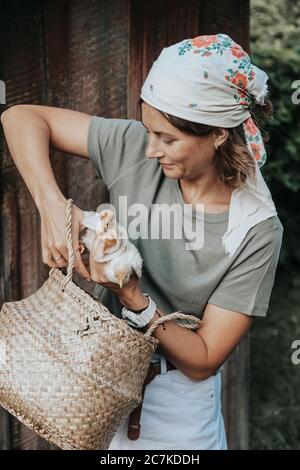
(152, 151)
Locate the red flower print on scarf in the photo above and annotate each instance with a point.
(251, 75)
(204, 41)
(251, 127)
(237, 53)
(255, 150)
(240, 80)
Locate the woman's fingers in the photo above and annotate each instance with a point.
(58, 258)
(78, 263)
(49, 260)
(64, 252)
(54, 242)
(97, 271)
(97, 251)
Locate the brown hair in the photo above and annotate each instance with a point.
(233, 160)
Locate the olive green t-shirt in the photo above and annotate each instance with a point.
(177, 278)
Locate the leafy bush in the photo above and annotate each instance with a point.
(275, 47)
(275, 381)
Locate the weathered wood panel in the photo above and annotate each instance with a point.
(93, 57)
(230, 17)
(155, 25)
(22, 69)
(67, 54)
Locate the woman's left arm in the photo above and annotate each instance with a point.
(198, 354)
(225, 321)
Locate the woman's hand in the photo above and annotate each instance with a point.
(98, 275)
(53, 237)
(130, 294)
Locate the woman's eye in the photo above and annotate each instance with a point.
(164, 141)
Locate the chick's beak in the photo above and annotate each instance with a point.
(120, 278)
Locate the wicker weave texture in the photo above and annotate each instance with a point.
(71, 370)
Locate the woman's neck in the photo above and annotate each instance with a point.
(208, 191)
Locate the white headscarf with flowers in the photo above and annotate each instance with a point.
(211, 80)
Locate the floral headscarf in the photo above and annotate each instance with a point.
(210, 79)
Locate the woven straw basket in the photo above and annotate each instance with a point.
(70, 369)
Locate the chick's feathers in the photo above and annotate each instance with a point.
(108, 243)
(120, 268)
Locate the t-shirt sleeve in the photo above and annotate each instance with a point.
(247, 285)
(115, 146)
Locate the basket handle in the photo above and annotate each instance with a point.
(71, 257)
(196, 322)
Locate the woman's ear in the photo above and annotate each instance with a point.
(220, 136)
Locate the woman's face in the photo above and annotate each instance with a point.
(188, 156)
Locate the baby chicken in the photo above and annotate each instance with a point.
(121, 267)
(108, 243)
(97, 224)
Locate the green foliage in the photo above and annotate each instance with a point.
(275, 47)
(275, 381)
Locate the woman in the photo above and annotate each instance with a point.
(203, 152)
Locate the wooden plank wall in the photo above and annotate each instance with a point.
(233, 18)
(93, 57)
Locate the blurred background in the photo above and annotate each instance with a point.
(274, 379)
(93, 56)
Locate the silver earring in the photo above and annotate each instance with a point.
(216, 146)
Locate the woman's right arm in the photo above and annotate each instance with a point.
(29, 131)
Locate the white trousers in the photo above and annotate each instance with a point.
(178, 413)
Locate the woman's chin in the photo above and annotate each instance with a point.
(169, 170)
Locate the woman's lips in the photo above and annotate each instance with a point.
(166, 165)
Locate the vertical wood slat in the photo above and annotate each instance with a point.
(22, 69)
(232, 17)
(67, 54)
(154, 25)
(93, 57)
(86, 46)
(235, 396)
(5, 434)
